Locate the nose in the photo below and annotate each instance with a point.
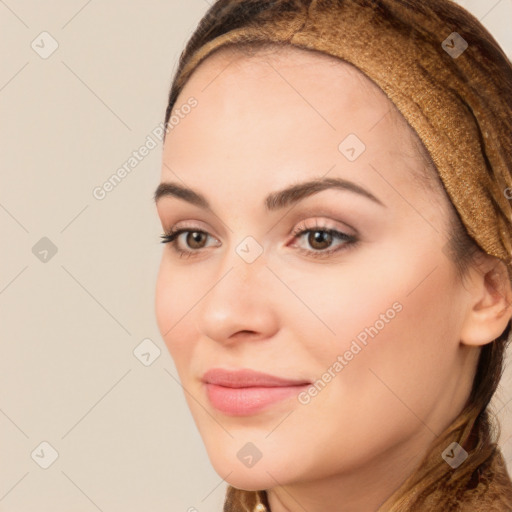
(240, 303)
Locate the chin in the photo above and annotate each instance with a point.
(254, 478)
(248, 481)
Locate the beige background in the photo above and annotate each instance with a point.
(124, 436)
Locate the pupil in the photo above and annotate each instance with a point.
(319, 236)
(196, 236)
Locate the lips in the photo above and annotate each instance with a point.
(246, 378)
(245, 392)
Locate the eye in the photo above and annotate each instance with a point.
(320, 237)
(195, 240)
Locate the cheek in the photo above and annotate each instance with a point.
(338, 305)
(395, 333)
(396, 380)
(174, 300)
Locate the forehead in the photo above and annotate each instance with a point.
(295, 84)
(285, 109)
(284, 70)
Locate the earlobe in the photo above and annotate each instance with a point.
(491, 302)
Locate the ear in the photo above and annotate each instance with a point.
(490, 307)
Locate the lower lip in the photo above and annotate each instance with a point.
(245, 401)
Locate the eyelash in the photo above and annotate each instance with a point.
(350, 240)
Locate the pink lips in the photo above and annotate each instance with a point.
(244, 392)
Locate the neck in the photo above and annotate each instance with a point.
(365, 488)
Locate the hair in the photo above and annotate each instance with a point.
(475, 425)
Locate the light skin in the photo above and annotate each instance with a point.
(261, 125)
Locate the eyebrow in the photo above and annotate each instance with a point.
(275, 200)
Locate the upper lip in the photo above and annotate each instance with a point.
(244, 378)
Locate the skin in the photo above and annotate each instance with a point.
(261, 124)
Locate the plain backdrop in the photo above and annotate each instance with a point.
(77, 273)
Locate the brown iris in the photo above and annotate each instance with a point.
(315, 237)
(196, 237)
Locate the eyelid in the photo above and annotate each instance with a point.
(193, 225)
(324, 224)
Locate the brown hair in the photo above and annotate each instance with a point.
(475, 428)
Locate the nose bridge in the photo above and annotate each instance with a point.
(251, 255)
(245, 253)
(244, 264)
(238, 299)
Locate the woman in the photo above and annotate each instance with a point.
(336, 289)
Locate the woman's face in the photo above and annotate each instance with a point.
(370, 317)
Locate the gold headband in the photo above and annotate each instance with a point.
(452, 96)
